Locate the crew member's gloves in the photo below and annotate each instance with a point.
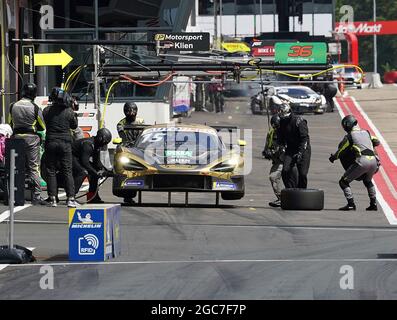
(332, 158)
(298, 157)
(101, 174)
(267, 154)
(109, 173)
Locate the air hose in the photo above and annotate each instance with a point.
(95, 193)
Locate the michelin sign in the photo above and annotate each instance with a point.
(94, 233)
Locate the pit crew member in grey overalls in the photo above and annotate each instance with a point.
(366, 163)
(274, 152)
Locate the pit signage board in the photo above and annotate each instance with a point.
(301, 52)
(361, 28)
(28, 59)
(184, 41)
(264, 51)
(235, 47)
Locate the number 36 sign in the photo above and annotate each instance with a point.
(301, 52)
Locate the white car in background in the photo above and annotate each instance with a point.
(351, 76)
(302, 99)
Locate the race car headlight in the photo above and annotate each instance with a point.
(321, 100)
(129, 164)
(226, 166)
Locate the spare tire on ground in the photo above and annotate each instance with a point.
(302, 199)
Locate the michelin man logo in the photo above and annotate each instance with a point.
(88, 245)
(86, 219)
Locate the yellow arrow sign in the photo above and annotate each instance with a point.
(52, 59)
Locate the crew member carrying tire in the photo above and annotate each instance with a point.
(294, 134)
(365, 165)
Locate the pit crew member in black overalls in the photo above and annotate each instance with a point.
(294, 135)
(87, 162)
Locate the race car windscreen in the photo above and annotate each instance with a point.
(296, 92)
(181, 146)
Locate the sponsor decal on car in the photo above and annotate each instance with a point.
(223, 185)
(179, 153)
(177, 129)
(134, 183)
(178, 156)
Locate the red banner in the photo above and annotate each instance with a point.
(367, 28)
(265, 51)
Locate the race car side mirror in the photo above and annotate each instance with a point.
(117, 141)
(242, 143)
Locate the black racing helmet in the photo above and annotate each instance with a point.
(60, 96)
(29, 90)
(349, 122)
(130, 106)
(275, 121)
(103, 137)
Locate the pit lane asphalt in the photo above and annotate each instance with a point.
(241, 250)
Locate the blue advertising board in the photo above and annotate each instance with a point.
(94, 233)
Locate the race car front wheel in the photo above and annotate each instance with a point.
(302, 199)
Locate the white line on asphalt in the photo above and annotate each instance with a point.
(6, 213)
(3, 266)
(377, 133)
(109, 263)
(373, 229)
(389, 213)
(306, 228)
(40, 221)
(82, 189)
(388, 182)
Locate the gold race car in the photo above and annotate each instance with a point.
(181, 158)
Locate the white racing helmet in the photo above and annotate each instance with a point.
(284, 109)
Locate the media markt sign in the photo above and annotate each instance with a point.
(184, 41)
(301, 52)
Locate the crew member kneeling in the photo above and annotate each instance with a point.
(366, 163)
(84, 150)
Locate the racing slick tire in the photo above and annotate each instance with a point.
(232, 195)
(302, 199)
